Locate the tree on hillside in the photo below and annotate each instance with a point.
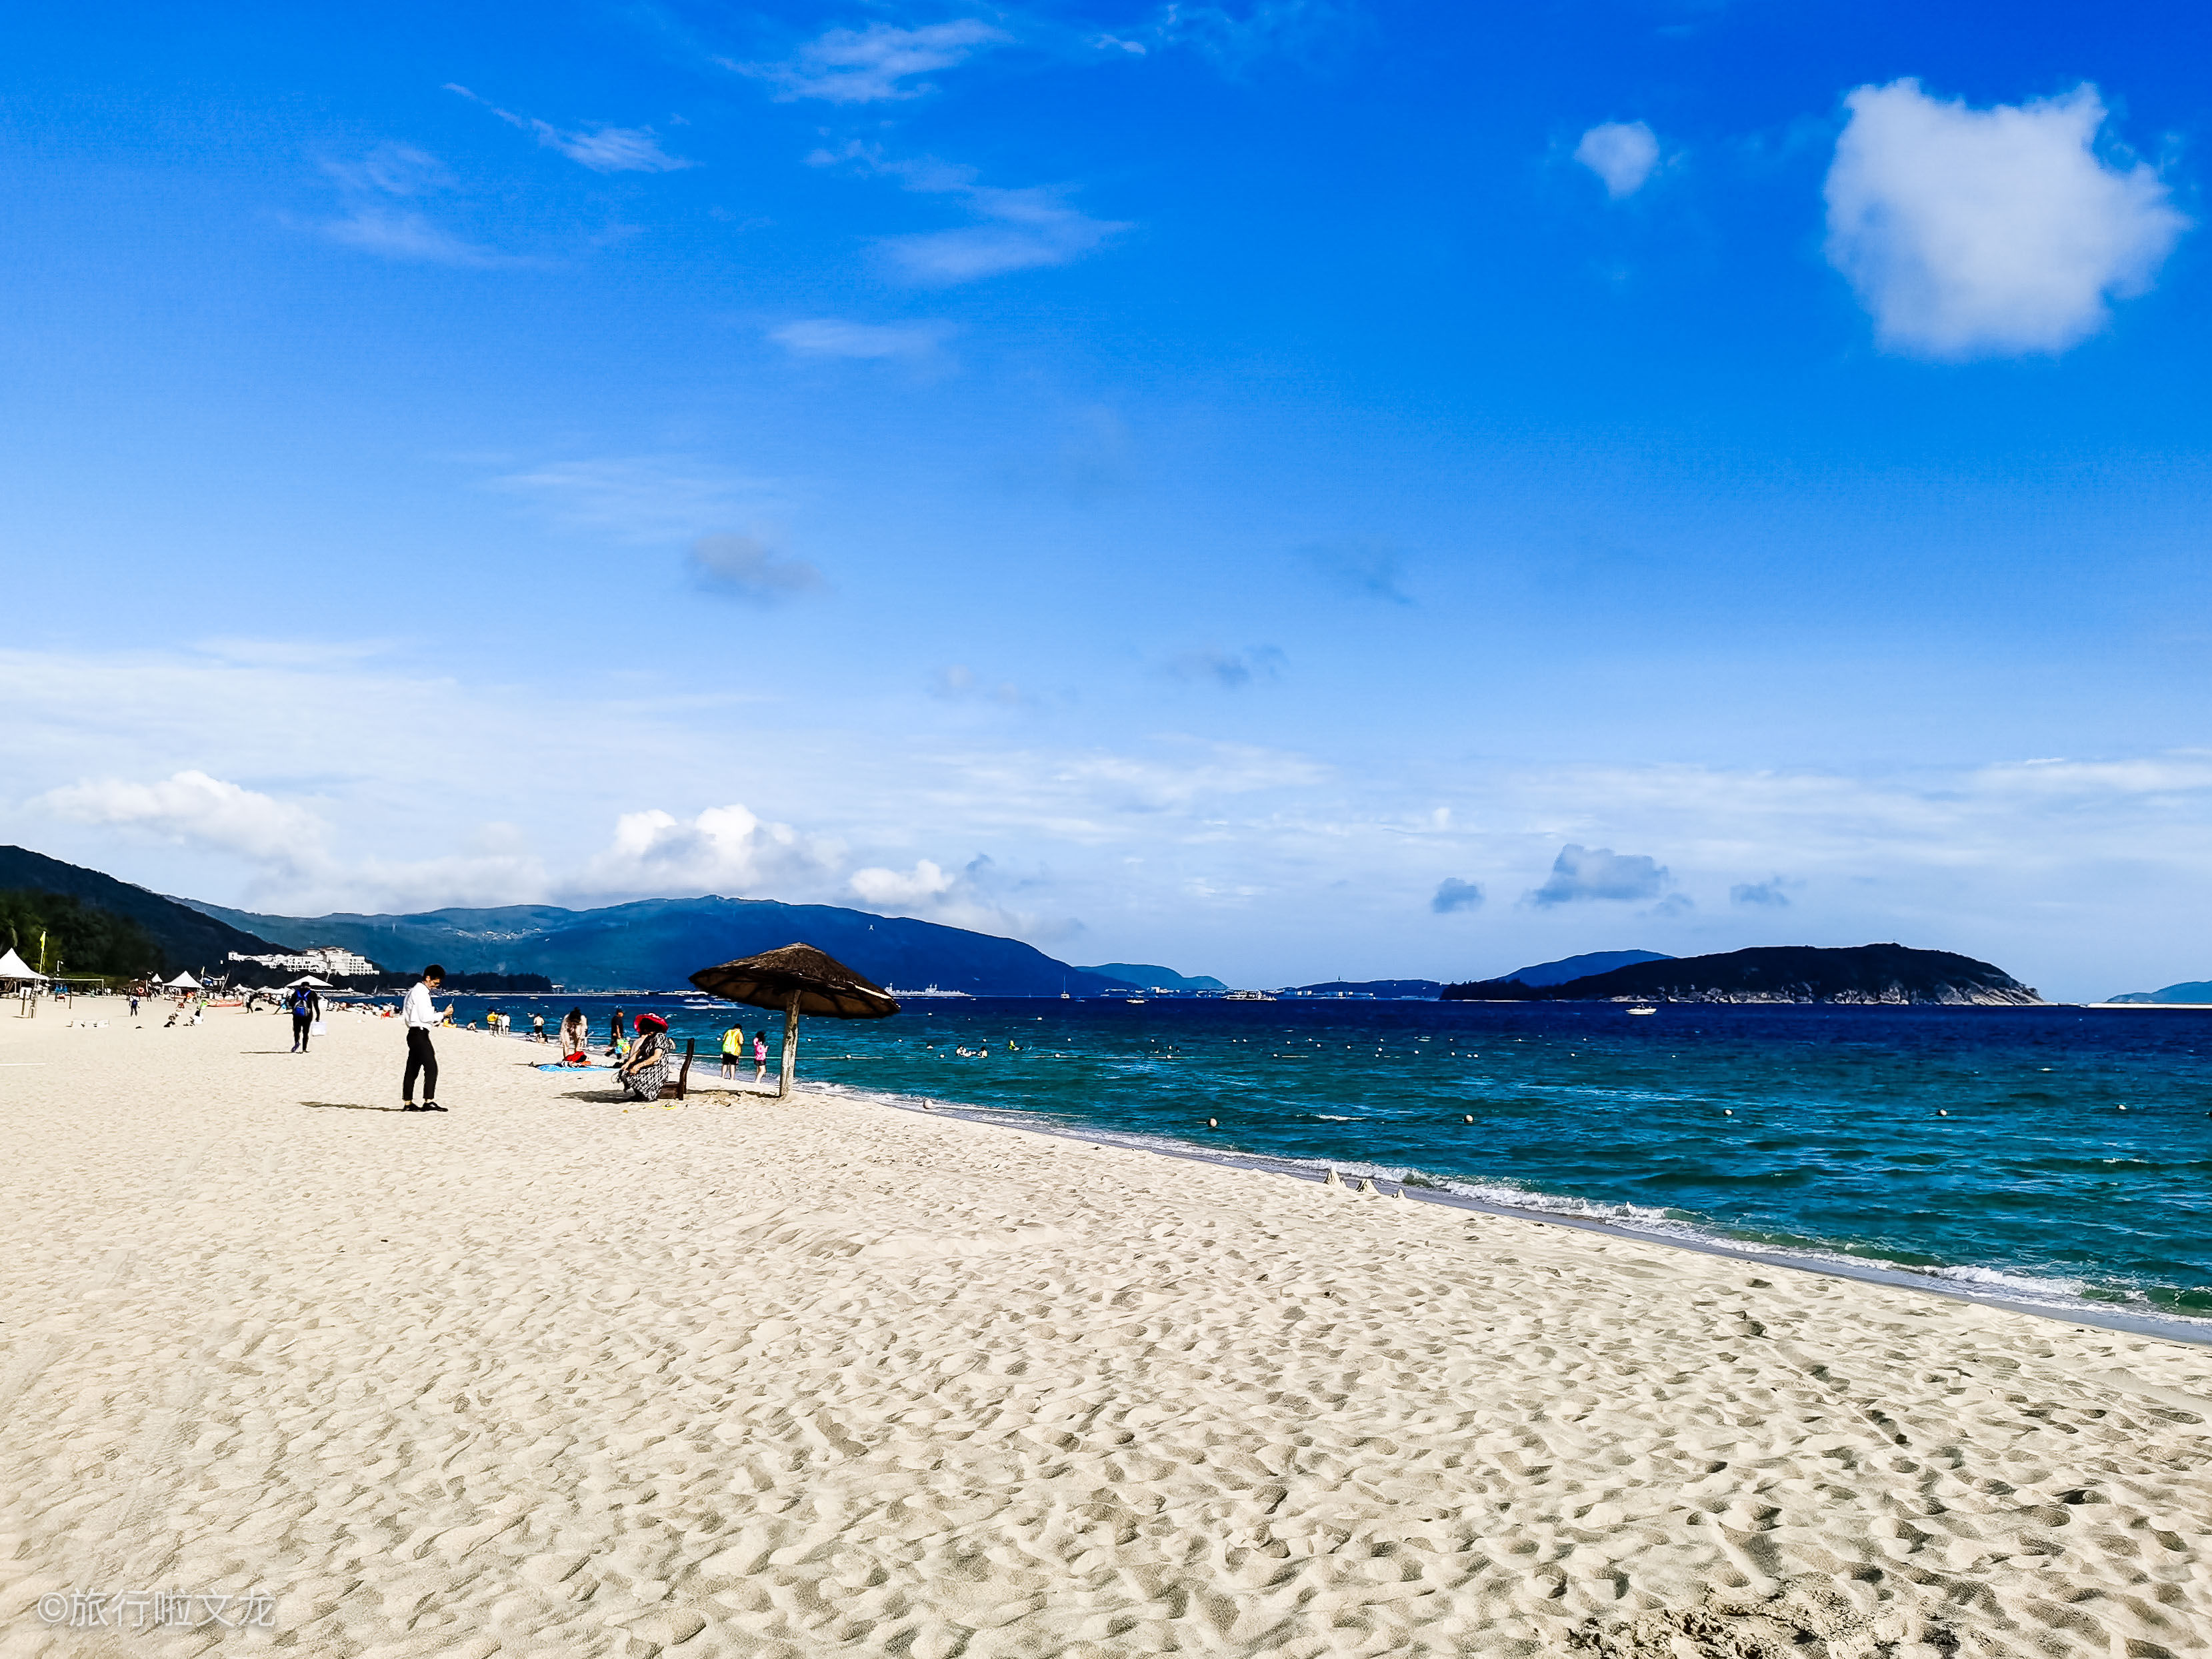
(83, 938)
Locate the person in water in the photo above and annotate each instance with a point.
(645, 1068)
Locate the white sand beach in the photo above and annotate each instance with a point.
(749, 1377)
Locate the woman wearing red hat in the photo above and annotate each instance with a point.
(646, 1067)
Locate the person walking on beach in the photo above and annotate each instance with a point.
(536, 1026)
(734, 1051)
(615, 1034)
(422, 1017)
(306, 1009)
(760, 1056)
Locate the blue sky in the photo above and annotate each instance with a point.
(1278, 490)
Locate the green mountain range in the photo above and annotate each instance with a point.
(1789, 973)
(658, 943)
(181, 936)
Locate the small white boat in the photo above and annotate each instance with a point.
(1642, 1008)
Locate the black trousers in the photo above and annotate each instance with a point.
(299, 1025)
(421, 1057)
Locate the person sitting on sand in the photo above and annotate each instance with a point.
(645, 1068)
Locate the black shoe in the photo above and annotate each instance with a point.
(432, 1106)
(409, 1106)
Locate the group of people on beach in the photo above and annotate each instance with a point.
(641, 1066)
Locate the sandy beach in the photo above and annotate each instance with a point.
(542, 1376)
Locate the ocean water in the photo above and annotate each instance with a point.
(2057, 1155)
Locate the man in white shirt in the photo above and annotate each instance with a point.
(420, 1016)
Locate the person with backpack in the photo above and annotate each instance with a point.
(306, 1009)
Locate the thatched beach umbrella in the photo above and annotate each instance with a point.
(798, 980)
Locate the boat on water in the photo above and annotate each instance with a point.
(1643, 1008)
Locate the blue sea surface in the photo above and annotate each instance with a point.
(2056, 1154)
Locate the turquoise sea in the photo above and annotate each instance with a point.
(2057, 1155)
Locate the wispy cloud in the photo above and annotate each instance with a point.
(1772, 893)
(1236, 37)
(602, 148)
(872, 64)
(1231, 670)
(1621, 153)
(373, 221)
(1021, 229)
(1995, 232)
(834, 337)
(960, 683)
(1365, 568)
(640, 498)
(747, 567)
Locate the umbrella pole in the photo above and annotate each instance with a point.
(790, 1046)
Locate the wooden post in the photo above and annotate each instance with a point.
(790, 1045)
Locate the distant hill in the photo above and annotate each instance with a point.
(1581, 967)
(1863, 974)
(183, 936)
(2195, 990)
(1145, 977)
(1384, 990)
(658, 944)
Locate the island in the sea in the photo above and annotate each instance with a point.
(1784, 973)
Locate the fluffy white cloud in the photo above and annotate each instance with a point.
(723, 849)
(1453, 894)
(1621, 153)
(193, 806)
(1988, 232)
(1581, 873)
(747, 567)
(871, 64)
(833, 337)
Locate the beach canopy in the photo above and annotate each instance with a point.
(307, 979)
(183, 981)
(798, 980)
(13, 967)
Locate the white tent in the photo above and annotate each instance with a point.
(183, 981)
(13, 967)
(308, 980)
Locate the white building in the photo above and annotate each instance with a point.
(324, 961)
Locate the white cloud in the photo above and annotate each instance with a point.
(833, 337)
(724, 849)
(871, 64)
(640, 498)
(881, 888)
(375, 225)
(1452, 893)
(1773, 892)
(746, 568)
(192, 806)
(1987, 233)
(1621, 153)
(1027, 228)
(1234, 37)
(603, 148)
(1021, 228)
(1582, 873)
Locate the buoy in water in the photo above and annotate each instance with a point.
(1728, 1111)
(1940, 1112)
(1213, 1123)
(1469, 1118)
